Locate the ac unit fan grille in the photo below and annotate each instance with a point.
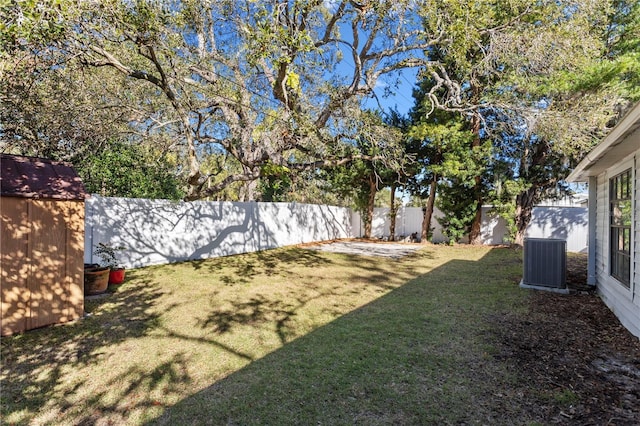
(545, 262)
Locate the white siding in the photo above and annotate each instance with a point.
(602, 229)
(635, 277)
(625, 303)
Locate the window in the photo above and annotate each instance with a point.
(620, 190)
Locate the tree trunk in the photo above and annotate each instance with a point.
(476, 225)
(370, 203)
(428, 212)
(393, 209)
(524, 206)
(475, 237)
(533, 156)
(249, 191)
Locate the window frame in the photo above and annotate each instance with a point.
(620, 226)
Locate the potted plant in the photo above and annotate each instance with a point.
(96, 278)
(108, 254)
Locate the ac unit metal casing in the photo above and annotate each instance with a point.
(545, 263)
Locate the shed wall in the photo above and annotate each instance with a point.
(41, 262)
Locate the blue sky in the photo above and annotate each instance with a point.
(402, 98)
(393, 91)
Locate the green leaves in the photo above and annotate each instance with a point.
(271, 169)
(24, 22)
(283, 82)
(124, 170)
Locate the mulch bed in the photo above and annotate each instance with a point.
(575, 362)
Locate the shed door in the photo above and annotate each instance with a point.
(42, 261)
(57, 256)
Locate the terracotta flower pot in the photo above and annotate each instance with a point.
(116, 276)
(96, 280)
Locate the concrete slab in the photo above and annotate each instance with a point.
(543, 288)
(366, 248)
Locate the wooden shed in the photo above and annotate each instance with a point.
(42, 243)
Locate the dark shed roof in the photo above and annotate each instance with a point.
(32, 177)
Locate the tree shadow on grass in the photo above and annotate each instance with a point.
(239, 269)
(36, 382)
(414, 356)
(363, 272)
(166, 378)
(262, 310)
(34, 363)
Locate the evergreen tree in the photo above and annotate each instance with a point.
(440, 145)
(126, 170)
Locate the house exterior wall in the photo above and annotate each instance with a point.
(625, 303)
(636, 240)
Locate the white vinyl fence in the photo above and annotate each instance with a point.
(161, 231)
(568, 223)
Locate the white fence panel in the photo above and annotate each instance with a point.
(411, 219)
(568, 223)
(408, 221)
(494, 228)
(161, 231)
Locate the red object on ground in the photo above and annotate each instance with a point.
(116, 276)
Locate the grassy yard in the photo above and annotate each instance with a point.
(288, 336)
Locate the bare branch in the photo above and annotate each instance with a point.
(202, 192)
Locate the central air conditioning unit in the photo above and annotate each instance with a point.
(545, 264)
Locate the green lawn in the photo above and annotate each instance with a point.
(288, 336)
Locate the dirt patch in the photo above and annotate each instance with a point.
(574, 362)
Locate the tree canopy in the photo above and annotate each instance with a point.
(278, 82)
(252, 100)
(541, 88)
